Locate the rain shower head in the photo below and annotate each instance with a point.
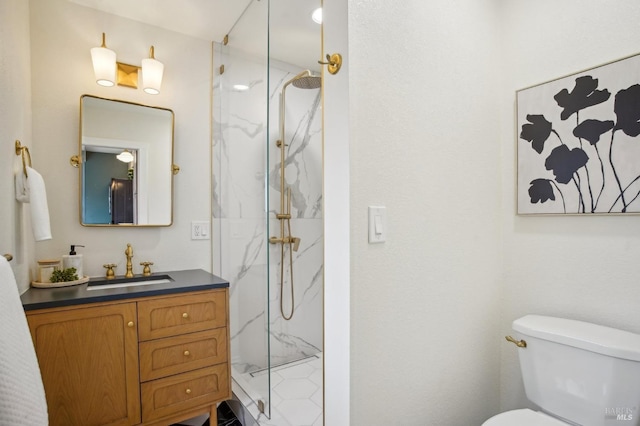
(307, 82)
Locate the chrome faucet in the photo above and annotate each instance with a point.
(129, 253)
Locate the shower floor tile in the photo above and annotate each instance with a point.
(296, 396)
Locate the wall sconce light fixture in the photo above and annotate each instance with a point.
(104, 64)
(152, 71)
(109, 72)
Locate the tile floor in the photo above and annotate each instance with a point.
(296, 396)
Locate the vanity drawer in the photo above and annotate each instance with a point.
(171, 316)
(174, 355)
(185, 391)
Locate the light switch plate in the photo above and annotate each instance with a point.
(377, 224)
(200, 230)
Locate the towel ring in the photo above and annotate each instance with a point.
(20, 150)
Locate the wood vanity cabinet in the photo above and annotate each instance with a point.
(88, 360)
(147, 361)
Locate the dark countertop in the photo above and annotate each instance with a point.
(184, 281)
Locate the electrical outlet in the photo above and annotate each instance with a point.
(200, 230)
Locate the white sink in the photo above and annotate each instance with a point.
(123, 282)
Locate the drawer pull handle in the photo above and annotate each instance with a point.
(130, 324)
(188, 391)
(187, 353)
(185, 315)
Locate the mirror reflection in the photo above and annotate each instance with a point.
(126, 168)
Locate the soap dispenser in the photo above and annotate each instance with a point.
(73, 260)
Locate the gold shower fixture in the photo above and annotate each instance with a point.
(304, 80)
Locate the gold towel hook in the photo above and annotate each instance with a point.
(20, 150)
(8, 256)
(334, 63)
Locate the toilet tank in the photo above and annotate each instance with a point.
(584, 373)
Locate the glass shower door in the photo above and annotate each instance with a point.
(268, 239)
(296, 220)
(240, 158)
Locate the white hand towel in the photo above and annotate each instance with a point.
(22, 399)
(37, 198)
(22, 188)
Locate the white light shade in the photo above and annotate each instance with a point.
(104, 65)
(125, 156)
(152, 71)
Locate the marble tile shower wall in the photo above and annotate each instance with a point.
(243, 164)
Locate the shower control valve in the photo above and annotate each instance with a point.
(286, 240)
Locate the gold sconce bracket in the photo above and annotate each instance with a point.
(518, 343)
(127, 75)
(175, 169)
(334, 63)
(74, 161)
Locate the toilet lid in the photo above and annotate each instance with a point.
(523, 417)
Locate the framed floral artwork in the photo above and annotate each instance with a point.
(578, 144)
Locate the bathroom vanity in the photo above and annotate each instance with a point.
(151, 354)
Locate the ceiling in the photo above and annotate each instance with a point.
(293, 37)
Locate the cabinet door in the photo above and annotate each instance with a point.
(89, 363)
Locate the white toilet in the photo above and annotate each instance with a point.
(577, 373)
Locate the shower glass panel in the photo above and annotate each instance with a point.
(267, 176)
(240, 160)
(295, 181)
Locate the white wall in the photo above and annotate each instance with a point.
(577, 267)
(15, 121)
(61, 35)
(336, 203)
(425, 305)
